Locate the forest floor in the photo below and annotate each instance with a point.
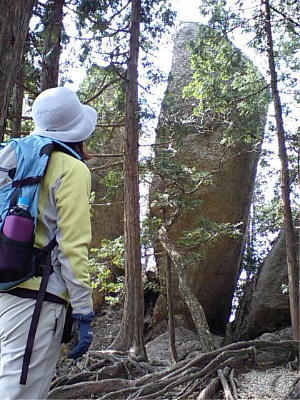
(104, 374)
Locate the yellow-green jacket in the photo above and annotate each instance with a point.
(63, 212)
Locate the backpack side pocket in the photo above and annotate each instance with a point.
(15, 259)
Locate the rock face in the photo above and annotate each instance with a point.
(107, 214)
(264, 306)
(213, 276)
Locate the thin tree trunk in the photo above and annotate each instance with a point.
(192, 302)
(18, 98)
(298, 160)
(131, 334)
(291, 251)
(14, 22)
(172, 344)
(17, 108)
(52, 44)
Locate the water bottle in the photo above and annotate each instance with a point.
(19, 224)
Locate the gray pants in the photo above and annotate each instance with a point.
(15, 318)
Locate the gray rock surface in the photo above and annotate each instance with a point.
(265, 306)
(186, 341)
(212, 276)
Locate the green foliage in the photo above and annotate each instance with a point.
(150, 227)
(268, 217)
(252, 261)
(174, 191)
(105, 260)
(229, 89)
(113, 181)
(177, 181)
(104, 90)
(103, 28)
(112, 251)
(42, 32)
(152, 286)
(206, 233)
(239, 20)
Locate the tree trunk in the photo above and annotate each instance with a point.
(131, 334)
(17, 108)
(17, 99)
(172, 338)
(14, 22)
(285, 181)
(52, 44)
(192, 302)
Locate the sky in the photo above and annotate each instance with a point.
(188, 10)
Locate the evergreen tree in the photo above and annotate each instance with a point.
(124, 33)
(131, 333)
(291, 249)
(14, 22)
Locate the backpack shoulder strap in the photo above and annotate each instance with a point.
(61, 146)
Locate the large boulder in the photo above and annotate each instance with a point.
(107, 213)
(214, 274)
(265, 304)
(186, 342)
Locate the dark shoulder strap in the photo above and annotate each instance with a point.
(37, 312)
(67, 149)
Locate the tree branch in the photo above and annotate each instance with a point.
(112, 125)
(288, 18)
(21, 85)
(123, 77)
(105, 155)
(249, 95)
(103, 88)
(192, 302)
(107, 166)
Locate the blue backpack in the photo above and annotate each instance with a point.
(23, 164)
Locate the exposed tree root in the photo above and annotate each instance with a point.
(222, 374)
(120, 377)
(233, 384)
(209, 390)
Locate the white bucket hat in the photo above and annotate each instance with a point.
(58, 114)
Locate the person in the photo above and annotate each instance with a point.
(63, 213)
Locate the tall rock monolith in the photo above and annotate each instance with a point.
(227, 199)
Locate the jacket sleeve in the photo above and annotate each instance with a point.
(74, 234)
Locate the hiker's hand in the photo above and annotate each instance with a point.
(85, 335)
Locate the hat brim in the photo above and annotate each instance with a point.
(80, 132)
